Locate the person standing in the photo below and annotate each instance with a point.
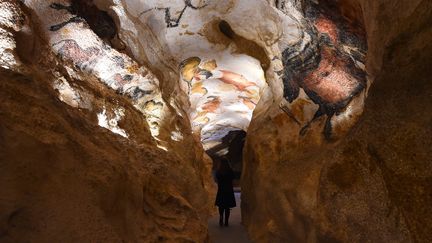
(225, 199)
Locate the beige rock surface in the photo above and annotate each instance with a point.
(61, 185)
(374, 185)
(96, 142)
(66, 177)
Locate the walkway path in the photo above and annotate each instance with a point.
(234, 233)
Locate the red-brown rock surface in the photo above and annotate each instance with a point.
(96, 143)
(373, 186)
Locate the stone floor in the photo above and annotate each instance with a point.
(234, 233)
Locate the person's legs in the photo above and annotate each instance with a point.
(221, 211)
(227, 214)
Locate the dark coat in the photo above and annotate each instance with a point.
(225, 194)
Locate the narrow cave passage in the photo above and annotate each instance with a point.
(232, 149)
(223, 93)
(235, 233)
(223, 88)
(186, 74)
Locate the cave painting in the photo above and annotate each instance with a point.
(221, 93)
(223, 58)
(334, 74)
(73, 41)
(73, 19)
(172, 19)
(317, 54)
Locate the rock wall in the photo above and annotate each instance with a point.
(104, 104)
(225, 62)
(78, 159)
(375, 184)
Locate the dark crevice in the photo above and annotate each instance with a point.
(99, 21)
(244, 45)
(225, 28)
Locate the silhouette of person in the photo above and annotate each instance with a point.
(225, 199)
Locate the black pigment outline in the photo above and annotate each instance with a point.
(74, 19)
(170, 22)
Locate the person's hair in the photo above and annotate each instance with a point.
(224, 166)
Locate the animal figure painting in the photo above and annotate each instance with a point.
(73, 41)
(221, 96)
(307, 48)
(335, 74)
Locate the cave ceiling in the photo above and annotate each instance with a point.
(224, 56)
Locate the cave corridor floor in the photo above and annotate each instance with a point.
(234, 233)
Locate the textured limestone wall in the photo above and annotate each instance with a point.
(374, 185)
(219, 52)
(61, 184)
(104, 105)
(78, 159)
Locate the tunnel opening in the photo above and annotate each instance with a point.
(224, 88)
(228, 154)
(230, 148)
